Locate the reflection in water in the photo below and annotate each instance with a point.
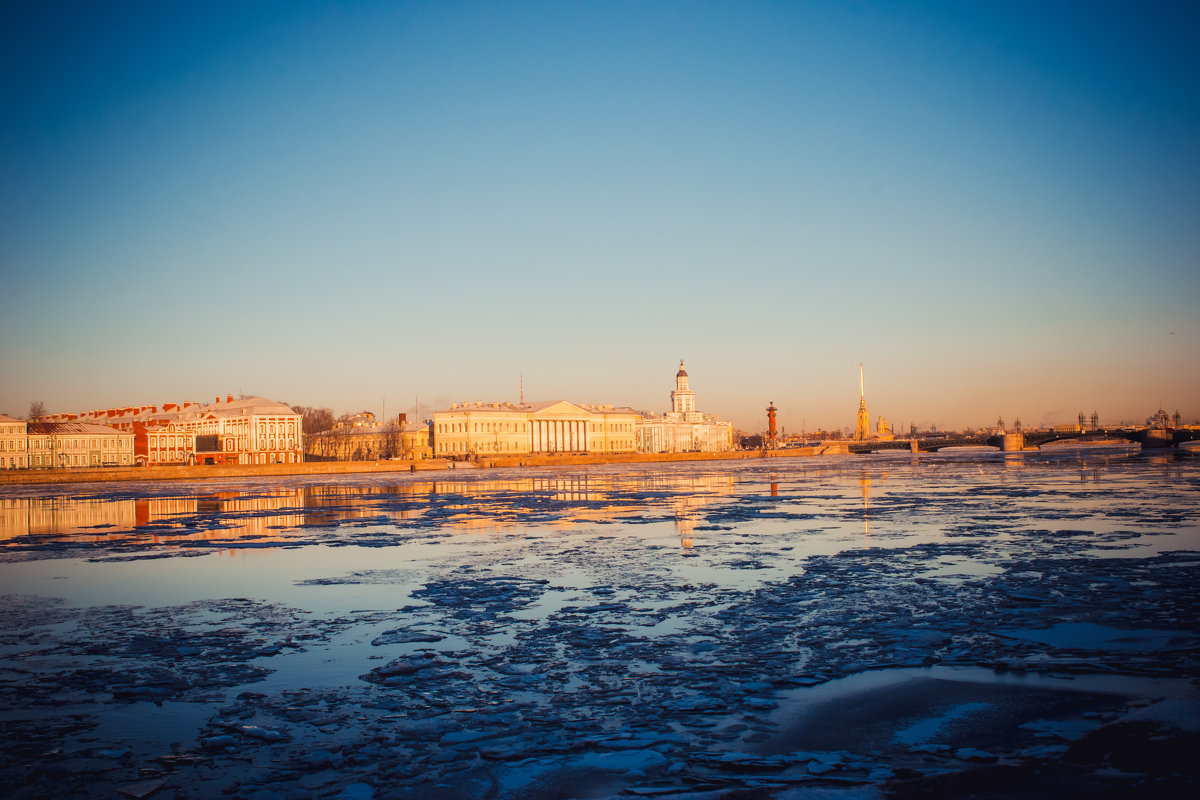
(264, 513)
(156, 520)
(266, 516)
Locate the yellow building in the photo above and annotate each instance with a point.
(371, 442)
(556, 426)
(67, 445)
(13, 443)
(417, 439)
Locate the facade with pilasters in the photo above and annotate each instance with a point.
(555, 426)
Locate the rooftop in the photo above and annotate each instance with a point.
(59, 428)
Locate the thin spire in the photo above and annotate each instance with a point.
(862, 386)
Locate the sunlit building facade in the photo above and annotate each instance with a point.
(366, 440)
(13, 443)
(65, 445)
(683, 429)
(556, 426)
(248, 430)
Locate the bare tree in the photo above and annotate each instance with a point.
(37, 410)
(391, 444)
(316, 420)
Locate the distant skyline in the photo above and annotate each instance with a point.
(994, 207)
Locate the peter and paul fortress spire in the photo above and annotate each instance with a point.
(862, 431)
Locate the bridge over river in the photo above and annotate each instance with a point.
(1146, 437)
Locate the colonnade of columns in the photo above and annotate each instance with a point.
(559, 435)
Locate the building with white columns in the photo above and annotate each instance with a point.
(555, 426)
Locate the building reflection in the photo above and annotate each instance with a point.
(274, 515)
(157, 520)
(864, 482)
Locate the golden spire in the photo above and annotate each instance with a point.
(862, 431)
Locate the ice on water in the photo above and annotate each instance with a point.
(867, 624)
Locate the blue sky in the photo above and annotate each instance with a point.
(994, 207)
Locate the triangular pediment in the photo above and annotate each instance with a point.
(560, 408)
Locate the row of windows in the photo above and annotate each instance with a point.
(66, 444)
(74, 460)
(272, 458)
(481, 427)
(502, 446)
(515, 427)
(163, 440)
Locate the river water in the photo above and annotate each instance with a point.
(875, 625)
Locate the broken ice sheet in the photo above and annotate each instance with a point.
(428, 635)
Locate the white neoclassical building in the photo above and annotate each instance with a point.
(555, 426)
(683, 428)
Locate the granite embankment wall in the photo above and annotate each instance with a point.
(199, 473)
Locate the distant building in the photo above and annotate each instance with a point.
(13, 443)
(363, 419)
(361, 439)
(555, 426)
(417, 438)
(1159, 420)
(61, 445)
(683, 429)
(250, 430)
(65, 445)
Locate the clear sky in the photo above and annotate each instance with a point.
(995, 207)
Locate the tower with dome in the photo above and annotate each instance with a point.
(683, 429)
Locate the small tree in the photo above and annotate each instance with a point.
(37, 410)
